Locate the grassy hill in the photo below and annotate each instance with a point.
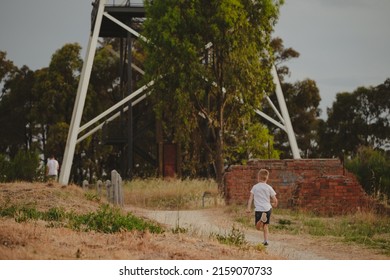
(50, 221)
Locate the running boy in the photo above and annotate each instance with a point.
(264, 198)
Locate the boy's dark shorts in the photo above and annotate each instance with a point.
(258, 216)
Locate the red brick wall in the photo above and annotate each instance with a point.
(318, 185)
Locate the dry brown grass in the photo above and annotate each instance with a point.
(34, 240)
(21, 241)
(45, 196)
(172, 194)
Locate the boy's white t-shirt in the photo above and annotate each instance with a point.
(53, 166)
(262, 193)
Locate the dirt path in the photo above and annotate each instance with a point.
(294, 247)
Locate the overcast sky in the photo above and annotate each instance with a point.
(343, 44)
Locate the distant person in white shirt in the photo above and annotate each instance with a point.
(264, 198)
(52, 168)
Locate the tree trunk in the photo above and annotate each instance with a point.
(219, 149)
(219, 167)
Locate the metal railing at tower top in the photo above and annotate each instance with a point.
(116, 13)
(132, 3)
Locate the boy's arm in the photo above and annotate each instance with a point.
(248, 209)
(274, 201)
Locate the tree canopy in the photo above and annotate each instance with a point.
(210, 61)
(360, 118)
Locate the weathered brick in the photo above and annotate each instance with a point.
(318, 185)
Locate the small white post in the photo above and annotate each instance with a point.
(85, 184)
(108, 189)
(99, 185)
(114, 180)
(120, 191)
(116, 192)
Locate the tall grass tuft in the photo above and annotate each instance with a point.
(368, 229)
(172, 194)
(365, 228)
(234, 237)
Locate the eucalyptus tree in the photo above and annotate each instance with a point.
(7, 70)
(15, 107)
(360, 118)
(6, 67)
(210, 62)
(53, 97)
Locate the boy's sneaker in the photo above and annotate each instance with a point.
(263, 217)
(265, 243)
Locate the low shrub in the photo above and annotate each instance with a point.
(106, 219)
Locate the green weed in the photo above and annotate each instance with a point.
(283, 224)
(316, 227)
(54, 214)
(8, 211)
(92, 196)
(179, 229)
(234, 237)
(26, 213)
(21, 213)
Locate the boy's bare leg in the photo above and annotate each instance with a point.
(259, 225)
(266, 232)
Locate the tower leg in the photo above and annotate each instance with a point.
(129, 171)
(285, 115)
(80, 98)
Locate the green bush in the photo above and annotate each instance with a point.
(23, 167)
(109, 220)
(372, 168)
(106, 219)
